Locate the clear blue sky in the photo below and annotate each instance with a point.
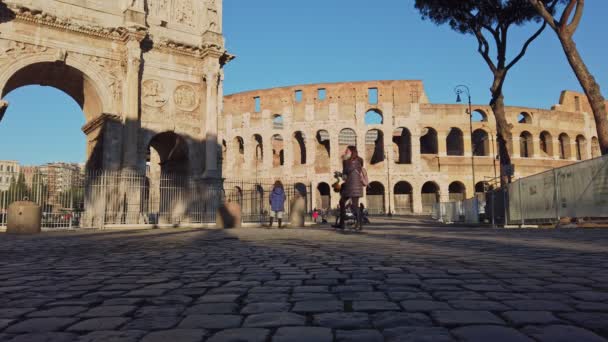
(280, 43)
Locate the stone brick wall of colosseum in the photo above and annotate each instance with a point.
(294, 134)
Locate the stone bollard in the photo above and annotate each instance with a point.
(24, 217)
(297, 212)
(228, 216)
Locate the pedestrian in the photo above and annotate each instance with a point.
(277, 203)
(352, 189)
(315, 215)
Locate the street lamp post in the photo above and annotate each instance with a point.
(463, 89)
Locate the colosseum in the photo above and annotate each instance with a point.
(416, 152)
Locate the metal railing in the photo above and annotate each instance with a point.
(576, 191)
(253, 198)
(101, 199)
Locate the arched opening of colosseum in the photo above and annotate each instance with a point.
(403, 198)
(374, 147)
(482, 187)
(239, 152)
(479, 116)
(481, 143)
(278, 152)
(524, 118)
(595, 148)
(403, 145)
(581, 147)
(526, 145)
(258, 205)
(546, 144)
(74, 86)
(322, 152)
(235, 195)
(457, 191)
(224, 153)
(324, 196)
(374, 117)
(455, 142)
(277, 121)
(259, 148)
(564, 146)
(375, 198)
(299, 148)
(301, 189)
(347, 137)
(430, 196)
(428, 141)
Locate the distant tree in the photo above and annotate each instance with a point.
(565, 27)
(489, 21)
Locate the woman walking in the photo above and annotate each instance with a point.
(277, 203)
(352, 169)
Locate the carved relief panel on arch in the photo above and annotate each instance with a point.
(180, 12)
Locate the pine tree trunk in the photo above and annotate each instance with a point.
(591, 88)
(503, 129)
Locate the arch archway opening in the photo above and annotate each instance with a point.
(238, 152)
(322, 152)
(428, 141)
(55, 87)
(564, 146)
(278, 152)
(481, 143)
(301, 189)
(524, 118)
(374, 146)
(430, 196)
(581, 147)
(168, 154)
(526, 148)
(404, 204)
(455, 142)
(482, 187)
(479, 116)
(595, 148)
(259, 148)
(324, 196)
(299, 148)
(375, 198)
(403, 145)
(277, 121)
(546, 144)
(457, 191)
(347, 137)
(374, 117)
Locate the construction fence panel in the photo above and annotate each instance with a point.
(577, 191)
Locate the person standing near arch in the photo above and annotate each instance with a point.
(277, 203)
(352, 173)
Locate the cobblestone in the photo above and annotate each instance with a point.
(399, 280)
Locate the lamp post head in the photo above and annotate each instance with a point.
(458, 99)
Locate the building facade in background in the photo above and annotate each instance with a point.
(416, 152)
(9, 172)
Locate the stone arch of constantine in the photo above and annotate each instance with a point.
(416, 152)
(147, 74)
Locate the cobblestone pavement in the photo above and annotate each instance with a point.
(396, 281)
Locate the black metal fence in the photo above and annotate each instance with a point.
(254, 198)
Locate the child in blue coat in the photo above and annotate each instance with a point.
(277, 203)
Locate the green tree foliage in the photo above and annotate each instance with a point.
(489, 21)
